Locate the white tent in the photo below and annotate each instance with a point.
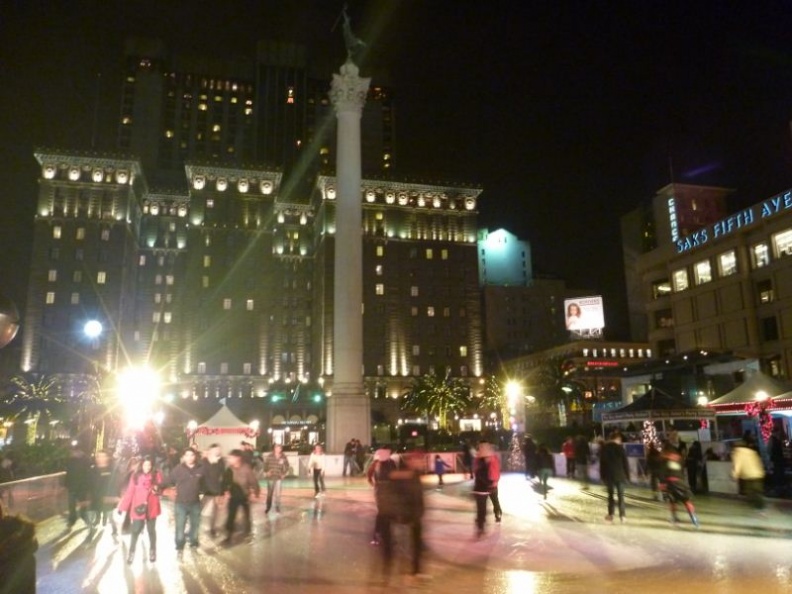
(223, 428)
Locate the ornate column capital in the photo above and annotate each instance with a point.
(348, 90)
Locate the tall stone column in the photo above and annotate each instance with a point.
(349, 408)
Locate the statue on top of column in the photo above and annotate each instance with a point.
(354, 45)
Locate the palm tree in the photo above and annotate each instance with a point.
(555, 385)
(493, 398)
(434, 396)
(30, 397)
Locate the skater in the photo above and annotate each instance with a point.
(545, 465)
(486, 474)
(672, 484)
(440, 466)
(239, 485)
(748, 469)
(614, 472)
(141, 498)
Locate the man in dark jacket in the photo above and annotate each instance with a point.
(214, 475)
(187, 477)
(614, 472)
(78, 485)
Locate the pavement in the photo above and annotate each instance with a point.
(557, 545)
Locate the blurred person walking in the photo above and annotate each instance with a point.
(214, 470)
(187, 479)
(615, 473)
(748, 469)
(582, 459)
(568, 449)
(486, 474)
(377, 474)
(276, 467)
(545, 464)
(141, 501)
(78, 485)
(316, 464)
(239, 485)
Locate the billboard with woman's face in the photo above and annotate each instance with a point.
(585, 316)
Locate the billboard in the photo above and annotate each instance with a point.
(584, 316)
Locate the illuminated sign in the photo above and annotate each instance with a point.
(585, 316)
(602, 363)
(767, 208)
(672, 219)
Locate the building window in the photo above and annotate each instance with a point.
(413, 291)
(764, 289)
(463, 371)
(680, 279)
(416, 350)
(430, 311)
(462, 312)
(201, 367)
(205, 282)
(101, 277)
(142, 260)
(224, 368)
(760, 255)
(54, 253)
(413, 311)
(380, 251)
(79, 254)
(227, 303)
(444, 254)
(207, 261)
(167, 317)
(416, 370)
(249, 305)
(379, 289)
(247, 368)
(157, 297)
(769, 327)
(50, 299)
(664, 318)
(463, 351)
(702, 272)
(77, 276)
(429, 253)
(727, 263)
(169, 279)
(56, 232)
(378, 269)
(660, 289)
(105, 234)
(75, 298)
(80, 233)
(156, 317)
(446, 312)
(782, 243)
(52, 276)
(158, 279)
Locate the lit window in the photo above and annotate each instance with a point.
(416, 370)
(416, 350)
(702, 272)
(379, 289)
(158, 279)
(444, 254)
(101, 278)
(227, 303)
(167, 317)
(80, 233)
(680, 280)
(77, 276)
(727, 263)
(378, 269)
(142, 260)
(782, 242)
(413, 311)
(765, 290)
(52, 276)
(380, 251)
(209, 203)
(760, 255)
(56, 232)
(290, 95)
(446, 312)
(205, 282)
(249, 305)
(207, 261)
(157, 297)
(430, 311)
(661, 288)
(169, 279)
(155, 317)
(463, 351)
(429, 253)
(75, 298)
(50, 297)
(105, 234)
(247, 368)
(414, 291)
(201, 367)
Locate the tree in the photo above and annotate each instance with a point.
(28, 398)
(493, 398)
(434, 396)
(555, 385)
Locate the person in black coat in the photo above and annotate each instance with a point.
(614, 472)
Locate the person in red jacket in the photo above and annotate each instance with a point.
(141, 502)
(568, 449)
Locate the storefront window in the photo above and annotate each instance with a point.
(760, 255)
(661, 288)
(703, 272)
(680, 279)
(782, 243)
(727, 263)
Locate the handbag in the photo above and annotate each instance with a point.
(141, 509)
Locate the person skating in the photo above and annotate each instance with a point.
(615, 473)
(239, 485)
(672, 483)
(276, 467)
(214, 469)
(545, 465)
(187, 478)
(486, 474)
(316, 464)
(141, 501)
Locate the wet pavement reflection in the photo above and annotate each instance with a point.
(561, 545)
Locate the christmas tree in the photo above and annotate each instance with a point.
(516, 460)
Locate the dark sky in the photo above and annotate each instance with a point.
(565, 112)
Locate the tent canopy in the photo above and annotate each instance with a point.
(225, 429)
(657, 405)
(746, 392)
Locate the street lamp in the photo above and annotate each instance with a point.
(137, 391)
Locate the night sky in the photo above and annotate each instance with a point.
(568, 114)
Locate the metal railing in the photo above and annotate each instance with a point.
(36, 498)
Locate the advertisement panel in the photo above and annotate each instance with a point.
(585, 316)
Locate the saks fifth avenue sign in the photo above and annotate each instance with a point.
(763, 210)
